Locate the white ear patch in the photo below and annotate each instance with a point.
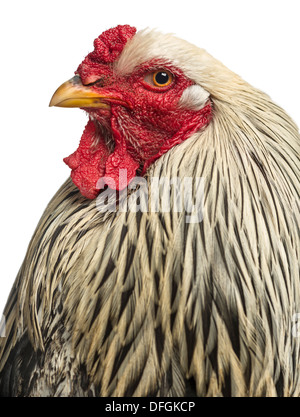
(193, 97)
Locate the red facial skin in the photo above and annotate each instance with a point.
(144, 120)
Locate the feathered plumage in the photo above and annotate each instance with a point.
(125, 303)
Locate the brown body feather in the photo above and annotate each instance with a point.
(122, 304)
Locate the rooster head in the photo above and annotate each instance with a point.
(140, 104)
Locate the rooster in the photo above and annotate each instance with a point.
(140, 302)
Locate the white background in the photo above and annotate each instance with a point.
(42, 43)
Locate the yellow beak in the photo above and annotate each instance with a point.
(74, 94)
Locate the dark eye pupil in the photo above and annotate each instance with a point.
(161, 77)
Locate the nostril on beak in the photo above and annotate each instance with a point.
(99, 82)
(76, 80)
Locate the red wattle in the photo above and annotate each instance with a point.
(119, 160)
(92, 161)
(88, 162)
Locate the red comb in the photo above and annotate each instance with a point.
(110, 43)
(108, 47)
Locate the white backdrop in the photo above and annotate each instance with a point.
(42, 44)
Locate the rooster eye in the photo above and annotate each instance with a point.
(160, 78)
